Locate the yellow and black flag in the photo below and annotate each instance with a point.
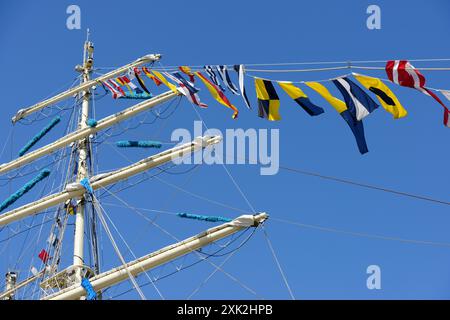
(268, 101)
(301, 98)
(386, 97)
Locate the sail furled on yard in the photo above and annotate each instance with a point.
(26, 188)
(39, 135)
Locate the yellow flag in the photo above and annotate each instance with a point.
(386, 97)
(268, 101)
(300, 97)
(164, 80)
(217, 94)
(338, 104)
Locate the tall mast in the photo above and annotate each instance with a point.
(78, 246)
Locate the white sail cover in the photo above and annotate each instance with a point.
(245, 220)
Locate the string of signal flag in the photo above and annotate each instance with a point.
(355, 106)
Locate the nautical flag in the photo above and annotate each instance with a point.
(151, 76)
(359, 103)
(404, 74)
(301, 98)
(239, 68)
(52, 239)
(139, 80)
(188, 90)
(340, 106)
(217, 94)
(117, 87)
(115, 90)
(71, 206)
(44, 256)
(268, 101)
(446, 93)
(34, 271)
(125, 81)
(164, 80)
(186, 70)
(225, 77)
(212, 75)
(386, 97)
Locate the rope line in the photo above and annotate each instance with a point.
(361, 234)
(278, 263)
(365, 185)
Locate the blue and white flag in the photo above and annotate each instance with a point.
(212, 75)
(225, 77)
(239, 68)
(359, 103)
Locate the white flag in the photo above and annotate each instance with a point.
(34, 271)
(446, 93)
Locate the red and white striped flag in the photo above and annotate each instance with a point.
(115, 89)
(404, 74)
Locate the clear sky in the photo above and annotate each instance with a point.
(37, 57)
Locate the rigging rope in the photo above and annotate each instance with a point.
(129, 249)
(116, 248)
(176, 239)
(361, 234)
(278, 263)
(365, 185)
(298, 63)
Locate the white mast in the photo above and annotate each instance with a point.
(78, 244)
(71, 288)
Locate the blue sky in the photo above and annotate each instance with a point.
(37, 58)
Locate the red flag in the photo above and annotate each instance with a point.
(186, 70)
(404, 74)
(44, 256)
(151, 76)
